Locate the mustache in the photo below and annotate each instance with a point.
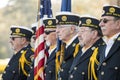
(103, 28)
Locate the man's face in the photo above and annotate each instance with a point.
(63, 32)
(50, 36)
(16, 43)
(84, 36)
(108, 25)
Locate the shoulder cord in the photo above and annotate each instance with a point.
(91, 66)
(23, 61)
(57, 63)
(59, 59)
(76, 50)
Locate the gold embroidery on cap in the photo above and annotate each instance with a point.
(112, 10)
(88, 21)
(50, 22)
(17, 30)
(64, 18)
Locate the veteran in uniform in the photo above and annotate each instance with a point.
(109, 68)
(67, 24)
(20, 63)
(50, 40)
(89, 36)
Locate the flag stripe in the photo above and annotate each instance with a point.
(40, 64)
(39, 31)
(44, 9)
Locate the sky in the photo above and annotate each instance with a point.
(3, 3)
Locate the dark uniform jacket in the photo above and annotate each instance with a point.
(31, 73)
(109, 68)
(50, 67)
(79, 68)
(68, 59)
(13, 70)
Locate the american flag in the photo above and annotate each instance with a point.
(44, 10)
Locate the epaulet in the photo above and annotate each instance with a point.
(77, 46)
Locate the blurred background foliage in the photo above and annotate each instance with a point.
(23, 12)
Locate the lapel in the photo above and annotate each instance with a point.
(102, 54)
(85, 56)
(70, 50)
(76, 60)
(51, 57)
(114, 48)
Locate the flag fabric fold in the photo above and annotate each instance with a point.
(44, 10)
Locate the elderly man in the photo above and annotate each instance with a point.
(20, 63)
(50, 39)
(67, 24)
(109, 68)
(89, 36)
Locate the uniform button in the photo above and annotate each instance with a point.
(83, 73)
(4, 72)
(75, 68)
(31, 67)
(116, 68)
(104, 64)
(22, 51)
(50, 71)
(71, 76)
(13, 71)
(45, 65)
(45, 74)
(102, 73)
(28, 75)
(61, 70)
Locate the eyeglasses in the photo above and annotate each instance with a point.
(13, 38)
(105, 20)
(48, 32)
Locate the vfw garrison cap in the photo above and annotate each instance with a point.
(49, 22)
(111, 11)
(67, 18)
(21, 31)
(89, 21)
